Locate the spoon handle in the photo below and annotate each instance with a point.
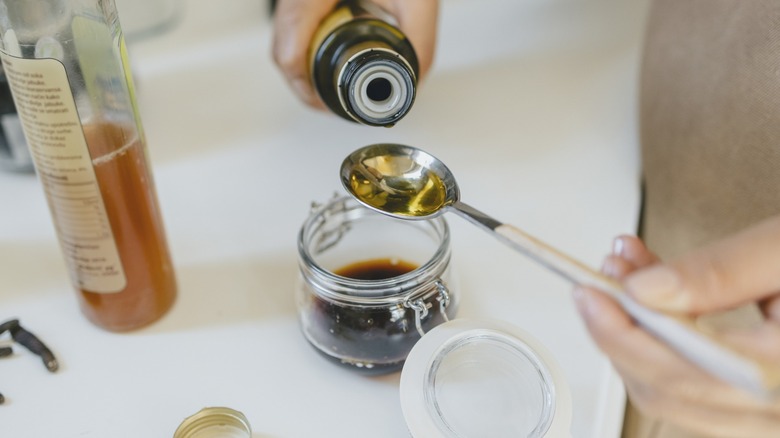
(681, 333)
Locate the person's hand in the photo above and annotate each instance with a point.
(741, 269)
(295, 22)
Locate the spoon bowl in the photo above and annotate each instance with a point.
(400, 181)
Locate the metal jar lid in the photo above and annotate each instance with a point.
(215, 422)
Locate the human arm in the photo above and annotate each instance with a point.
(295, 22)
(743, 268)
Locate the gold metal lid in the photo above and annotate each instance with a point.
(215, 422)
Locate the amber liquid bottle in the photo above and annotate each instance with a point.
(66, 64)
(363, 67)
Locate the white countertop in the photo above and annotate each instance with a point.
(532, 104)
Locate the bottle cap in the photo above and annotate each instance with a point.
(215, 422)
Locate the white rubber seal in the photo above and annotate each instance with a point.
(379, 109)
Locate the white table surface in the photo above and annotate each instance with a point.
(532, 104)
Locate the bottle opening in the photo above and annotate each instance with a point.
(379, 90)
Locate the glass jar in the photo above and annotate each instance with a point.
(370, 286)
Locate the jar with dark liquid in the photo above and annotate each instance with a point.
(370, 286)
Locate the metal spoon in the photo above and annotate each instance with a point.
(407, 183)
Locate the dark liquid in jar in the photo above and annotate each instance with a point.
(376, 269)
(370, 340)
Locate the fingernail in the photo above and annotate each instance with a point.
(617, 246)
(301, 88)
(578, 293)
(608, 268)
(585, 304)
(579, 298)
(658, 287)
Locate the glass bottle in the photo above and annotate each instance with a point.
(370, 286)
(14, 155)
(66, 64)
(363, 67)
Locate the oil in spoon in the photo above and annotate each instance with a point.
(398, 185)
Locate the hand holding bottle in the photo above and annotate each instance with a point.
(295, 22)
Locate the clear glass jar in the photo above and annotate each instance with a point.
(370, 322)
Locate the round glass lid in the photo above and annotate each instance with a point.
(477, 378)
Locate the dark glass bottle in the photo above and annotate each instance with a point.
(363, 67)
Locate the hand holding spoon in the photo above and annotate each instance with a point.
(407, 183)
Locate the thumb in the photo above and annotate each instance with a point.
(742, 268)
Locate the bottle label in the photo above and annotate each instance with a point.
(56, 139)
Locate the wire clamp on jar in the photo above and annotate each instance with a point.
(444, 299)
(421, 308)
(332, 236)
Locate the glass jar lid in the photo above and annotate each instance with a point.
(468, 378)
